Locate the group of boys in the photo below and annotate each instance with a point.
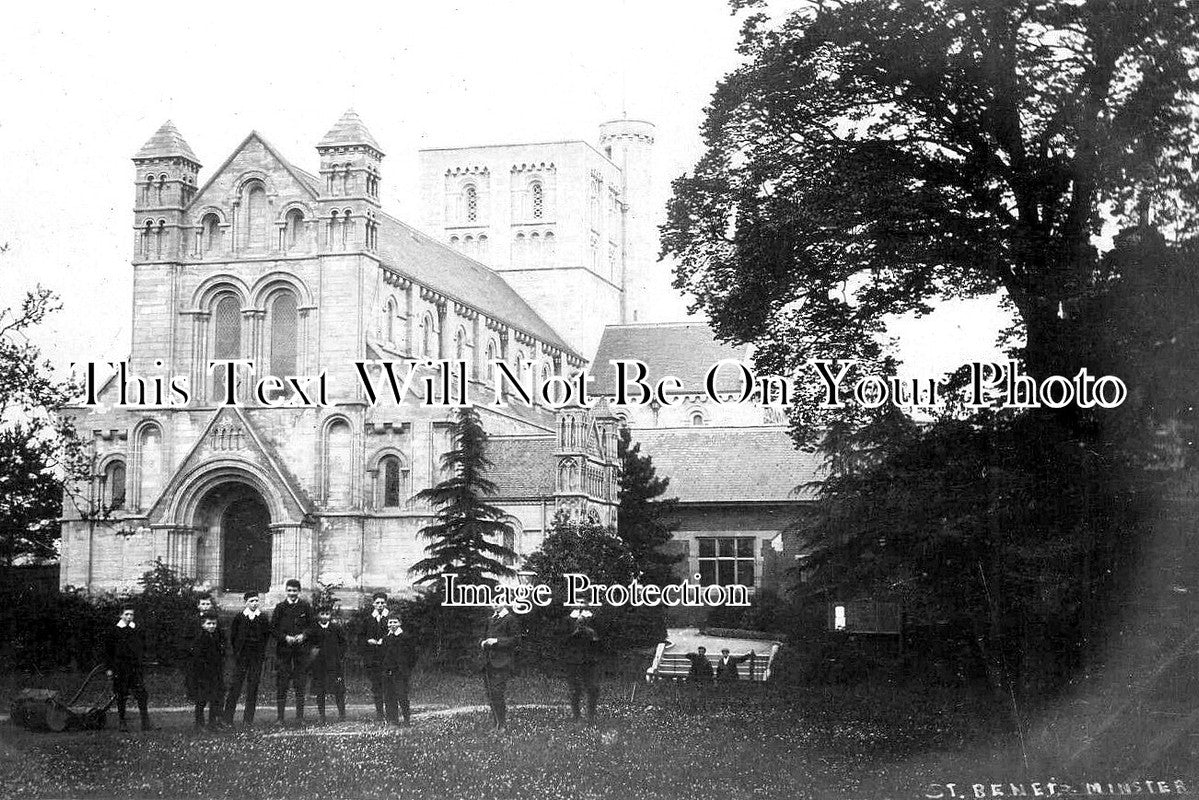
(313, 646)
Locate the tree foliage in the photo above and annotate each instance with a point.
(467, 536)
(586, 547)
(644, 518)
(872, 157)
(38, 448)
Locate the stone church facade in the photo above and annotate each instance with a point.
(303, 274)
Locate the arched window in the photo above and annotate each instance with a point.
(334, 227)
(162, 187)
(284, 334)
(345, 228)
(389, 321)
(697, 418)
(395, 479)
(147, 190)
(160, 238)
(226, 341)
(460, 344)
(147, 235)
(427, 334)
(535, 249)
(210, 233)
(150, 464)
(547, 248)
(254, 201)
(468, 245)
(491, 357)
(471, 202)
(114, 485)
(538, 199)
(455, 243)
(293, 231)
(338, 446)
(518, 250)
(482, 250)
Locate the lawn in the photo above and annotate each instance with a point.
(666, 741)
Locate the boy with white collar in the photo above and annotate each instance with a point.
(248, 636)
(124, 652)
(372, 649)
(499, 658)
(399, 656)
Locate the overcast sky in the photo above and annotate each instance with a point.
(83, 87)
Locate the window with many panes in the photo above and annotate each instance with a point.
(727, 560)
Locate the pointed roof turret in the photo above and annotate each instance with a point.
(349, 130)
(168, 142)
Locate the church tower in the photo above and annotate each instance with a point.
(350, 178)
(165, 183)
(629, 144)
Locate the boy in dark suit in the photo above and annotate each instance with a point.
(701, 668)
(124, 651)
(205, 677)
(499, 659)
(248, 636)
(372, 649)
(398, 658)
(726, 667)
(581, 658)
(328, 642)
(290, 623)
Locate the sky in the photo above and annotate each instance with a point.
(83, 86)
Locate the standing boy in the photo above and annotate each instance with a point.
(398, 659)
(124, 652)
(372, 649)
(726, 667)
(581, 657)
(247, 637)
(292, 619)
(206, 680)
(701, 668)
(499, 658)
(328, 661)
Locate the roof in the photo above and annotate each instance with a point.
(167, 142)
(522, 466)
(728, 465)
(440, 267)
(686, 350)
(349, 130)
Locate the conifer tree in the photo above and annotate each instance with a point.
(467, 536)
(643, 522)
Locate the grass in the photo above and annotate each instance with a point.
(667, 741)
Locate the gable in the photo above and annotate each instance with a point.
(254, 159)
(232, 445)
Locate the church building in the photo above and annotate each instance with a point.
(538, 256)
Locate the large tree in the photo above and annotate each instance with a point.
(874, 156)
(644, 520)
(467, 536)
(38, 448)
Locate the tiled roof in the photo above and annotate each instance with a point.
(440, 267)
(714, 465)
(522, 466)
(168, 142)
(349, 130)
(686, 350)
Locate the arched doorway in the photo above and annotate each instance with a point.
(246, 542)
(234, 551)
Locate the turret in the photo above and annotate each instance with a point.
(350, 174)
(629, 144)
(165, 182)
